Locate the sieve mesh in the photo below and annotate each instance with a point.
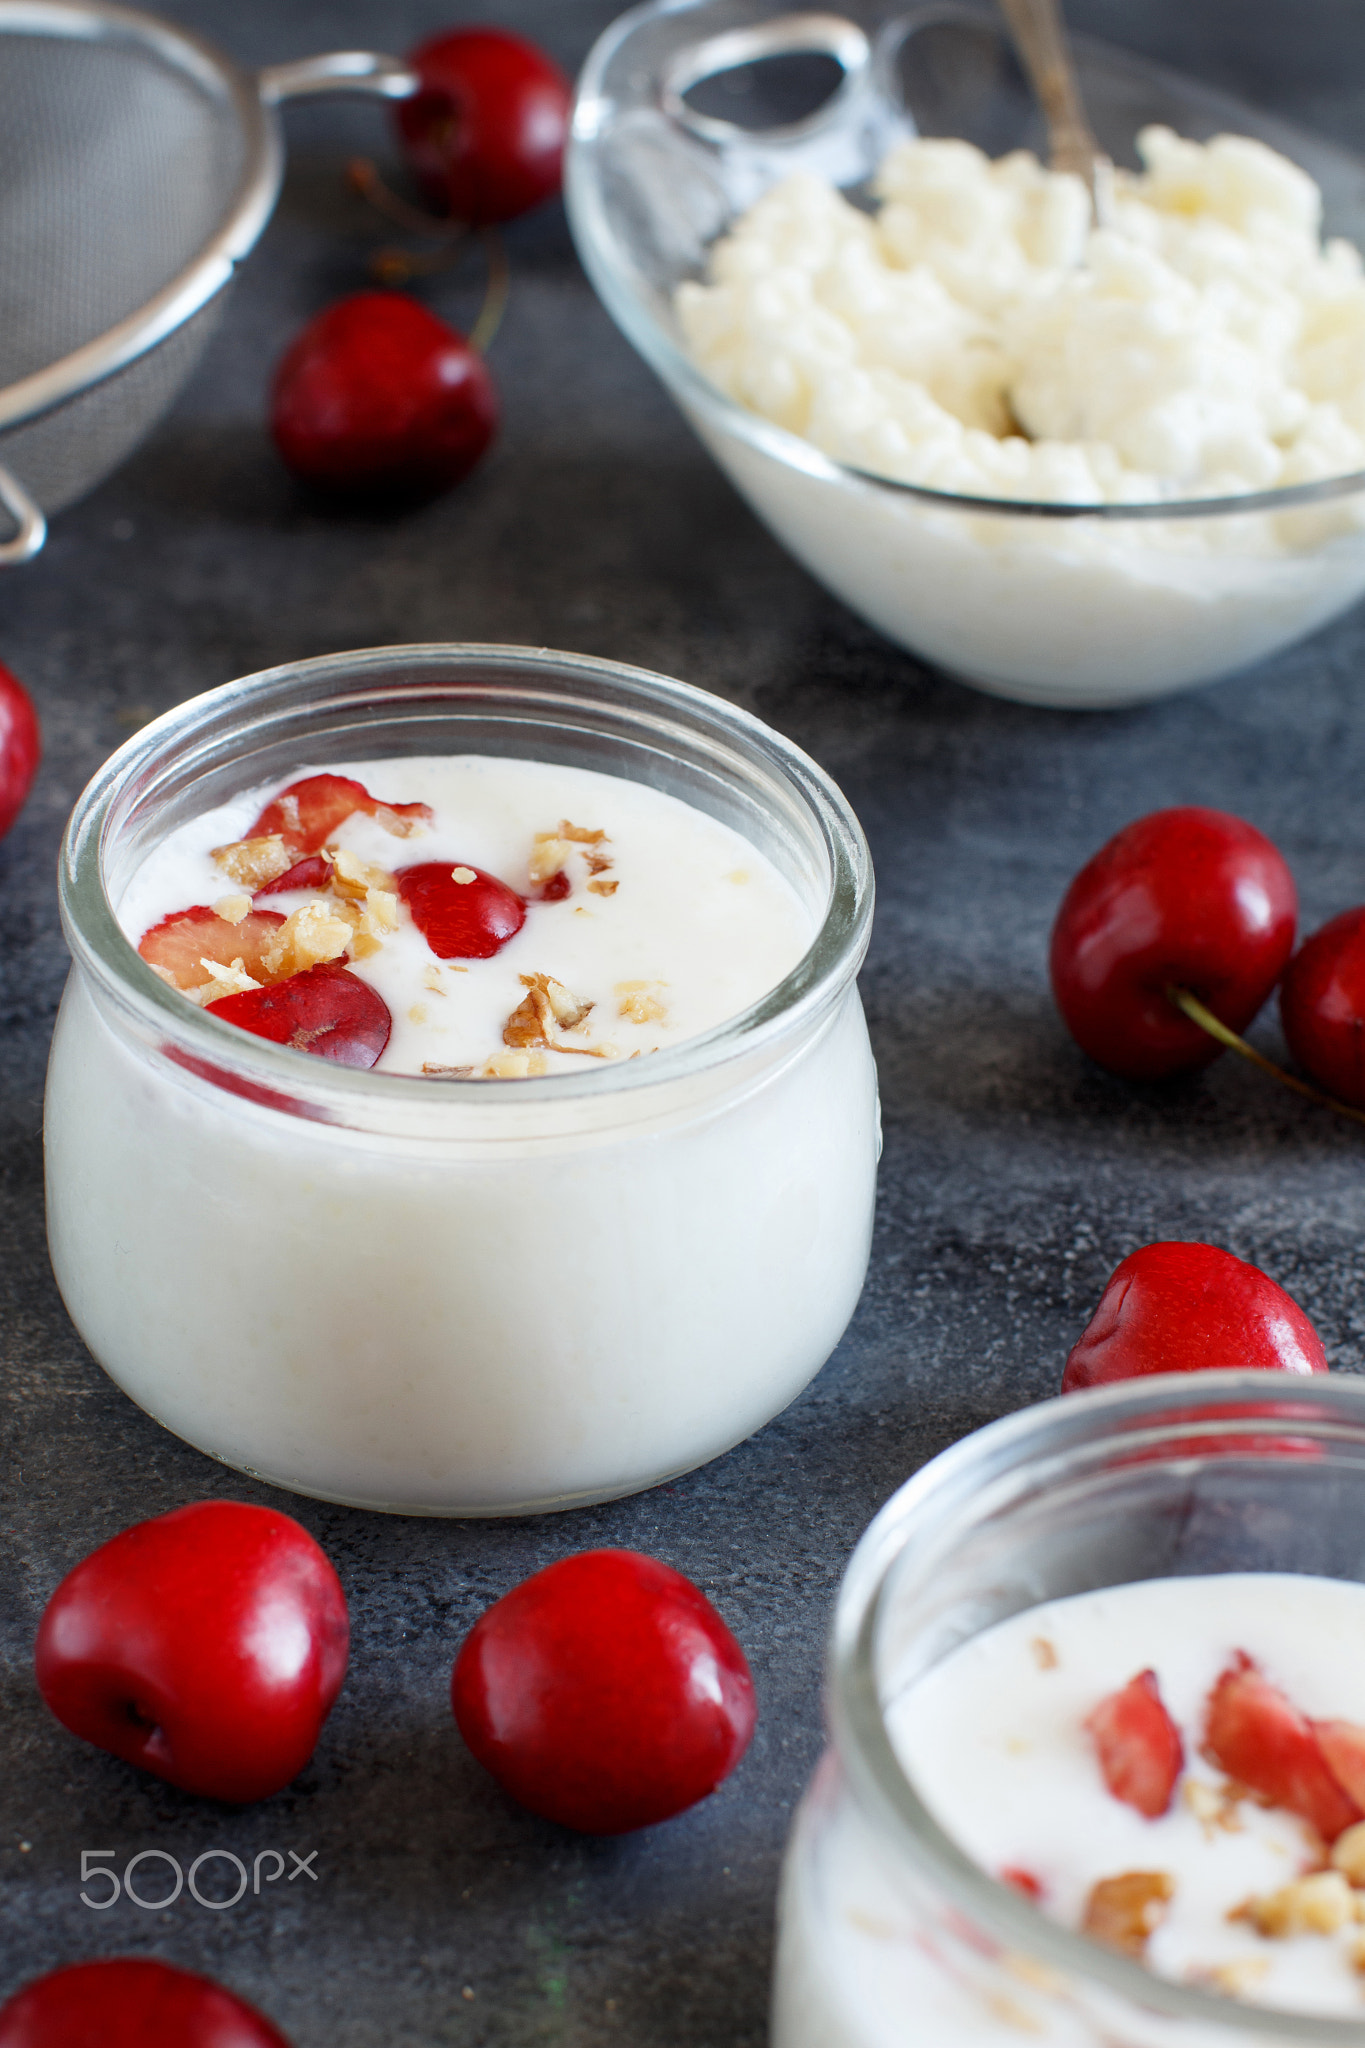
(115, 167)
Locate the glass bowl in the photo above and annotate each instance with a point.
(889, 1935)
(687, 113)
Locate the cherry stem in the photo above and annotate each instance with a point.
(364, 178)
(1205, 1019)
(495, 294)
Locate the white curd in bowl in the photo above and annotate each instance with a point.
(459, 1295)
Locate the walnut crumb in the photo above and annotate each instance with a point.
(1348, 1854)
(417, 1014)
(600, 888)
(1319, 1904)
(254, 862)
(1044, 1653)
(544, 1014)
(364, 946)
(1235, 1979)
(582, 835)
(223, 980)
(641, 1006)
(232, 909)
(1214, 1806)
(1124, 1911)
(431, 979)
(513, 1066)
(430, 1067)
(463, 875)
(354, 879)
(307, 937)
(398, 827)
(548, 855)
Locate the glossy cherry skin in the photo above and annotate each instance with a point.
(604, 1693)
(131, 2002)
(1176, 1307)
(21, 747)
(467, 920)
(1187, 896)
(1322, 1007)
(206, 1646)
(326, 1011)
(486, 133)
(378, 399)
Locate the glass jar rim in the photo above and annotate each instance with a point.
(380, 678)
(1137, 1414)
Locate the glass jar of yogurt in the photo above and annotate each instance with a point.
(997, 1598)
(460, 1295)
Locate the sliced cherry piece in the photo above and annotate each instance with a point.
(312, 872)
(1262, 1740)
(326, 1010)
(186, 937)
(1322, 1007)
(1178, 1307)
(464, 920)
(307, 813)
(1138, 1745)
(1343, 1748)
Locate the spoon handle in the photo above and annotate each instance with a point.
(1040, 38)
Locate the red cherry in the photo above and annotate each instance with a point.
(1138, 1744)
(605, 1693)
(307, 813)
(186, 938)
(1188, 896)
(21, 747)
(486, 133)
(1322, 1007)
(131, 2002)
(464, 920)
(1176, 1307)
(312, 872)
(378, 398)
(206, 1646)
(1262, 1740)
(326, 1010)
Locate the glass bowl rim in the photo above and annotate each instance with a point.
(611, 277)
(100, 947)
(884, 1790)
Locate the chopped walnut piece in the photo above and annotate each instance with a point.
(363, 947)
(548, 856)
(355, 878)
(513, 1066)
(1044, 1653)
(1348, 1854)
(544, 1013)
(254, 862)
(598, 863)
(397, 826)
(231, 980)
(1124, 1911)
(580, 833)
(417, 1014)
(601, 888)
(1214, 1806)
(642, 1007)
(232, 909)
(463, 875)
(1236, 1979)
(307, 937)
(1320, 1904)
(430, 1067)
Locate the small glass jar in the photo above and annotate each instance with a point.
(889, 1936)
(461, 1296)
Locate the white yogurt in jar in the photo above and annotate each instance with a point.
(994, 1739)
(671, 921)
(450, 1297)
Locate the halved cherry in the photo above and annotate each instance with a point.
(186, 937)
(1138, 1745)
(326, 1010)
(468, 919)
(1262, 1740)
(307, 813)
(312, 872)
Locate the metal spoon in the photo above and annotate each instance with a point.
(1040, 37)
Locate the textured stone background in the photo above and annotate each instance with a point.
(1014, 1178)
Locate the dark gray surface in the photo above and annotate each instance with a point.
(1014, 1178)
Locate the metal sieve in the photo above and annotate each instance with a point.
(138, 166)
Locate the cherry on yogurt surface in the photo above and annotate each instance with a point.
(1188, 897)
(604, 1693)
(463, 913)
(1177, 1307)
(131, 2002)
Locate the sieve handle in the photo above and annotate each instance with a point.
(363, 71)
(24, 544)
